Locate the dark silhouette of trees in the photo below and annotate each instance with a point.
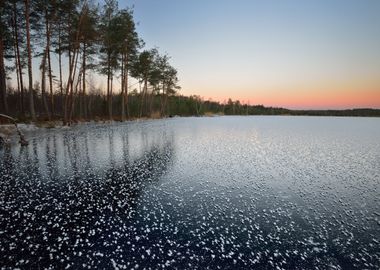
(128, 44)
(143, 69)
(108, 50)
(87, 40)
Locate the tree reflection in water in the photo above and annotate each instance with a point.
(63, 204)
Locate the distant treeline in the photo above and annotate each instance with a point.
(236, 108)
(349, 112)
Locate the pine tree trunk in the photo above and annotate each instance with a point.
(3, 86)
(67, 91)
(109, 87)
(126, 85)
(84, 98)
(31, 101)
(122, 88)
(17, 75)
(151, 102)
(143, 97)
(48, 33)
(43, 84)
(18, 60)
(73, 60)
(81, 93)
(164, 100)
(73, 98)
(60, 67)
(70, 105)
(111, 99)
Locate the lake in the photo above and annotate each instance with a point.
(243, 192)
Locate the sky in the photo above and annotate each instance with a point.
(313, 54)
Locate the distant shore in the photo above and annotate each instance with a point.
(258, 110)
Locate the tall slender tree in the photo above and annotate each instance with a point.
(3, 86)
(29, 48)
(127, 44)
(88, 40)
(49, 13)
(169, 86)
(5, 38)
(43, 82)
(73, 33)
(61, 25)
(19, 61)
(108, 50)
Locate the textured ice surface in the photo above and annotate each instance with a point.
(196, 193)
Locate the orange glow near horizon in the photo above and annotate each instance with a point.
(321, 96)
(333, 100)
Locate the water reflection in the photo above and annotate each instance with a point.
(67, 198)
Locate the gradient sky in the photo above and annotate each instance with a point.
(290, 53)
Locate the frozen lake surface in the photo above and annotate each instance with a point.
(195, 193)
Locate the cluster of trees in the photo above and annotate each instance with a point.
(84, 38)
(235, 107)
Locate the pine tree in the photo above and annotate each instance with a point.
(29, 49)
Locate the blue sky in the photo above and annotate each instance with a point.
(270, 51)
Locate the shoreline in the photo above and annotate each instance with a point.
(8, 131)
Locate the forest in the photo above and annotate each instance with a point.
(74, 40)
(85, 38)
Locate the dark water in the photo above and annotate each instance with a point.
(195, 193)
